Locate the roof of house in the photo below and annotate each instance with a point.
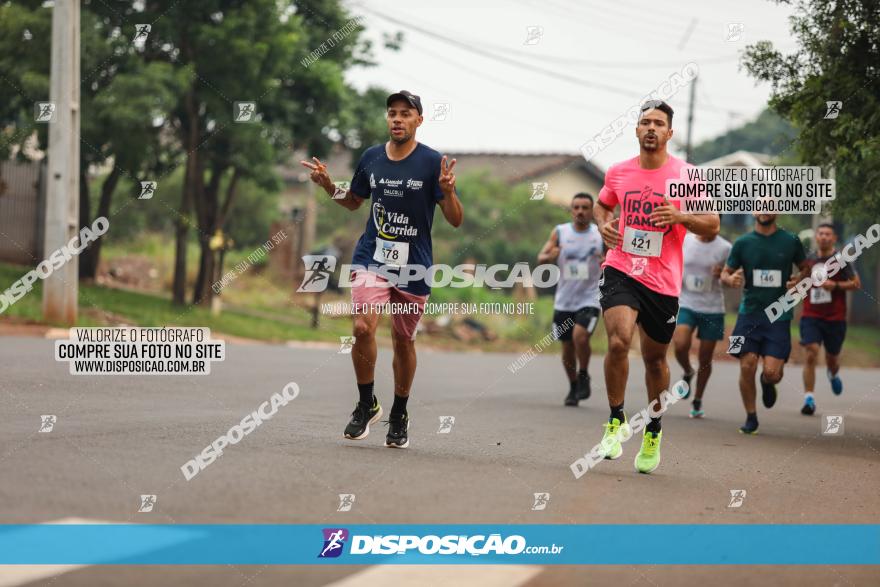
(739, 159)
(512, 168)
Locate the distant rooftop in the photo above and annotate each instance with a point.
(512, 168)
(515, 168)
(740, 159)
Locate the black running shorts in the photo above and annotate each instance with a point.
(587, 317)
(656, 312)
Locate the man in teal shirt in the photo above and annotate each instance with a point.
(762, 261)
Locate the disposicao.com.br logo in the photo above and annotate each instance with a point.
(319, 268)
(334, 540)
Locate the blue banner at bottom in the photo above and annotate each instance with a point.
(259, 544)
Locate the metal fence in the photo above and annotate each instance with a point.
(22, 205)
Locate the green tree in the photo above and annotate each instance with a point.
(166, 102)
(769, 134)
(501, 225)
(836, 61)
(232, 51)
(123, 102)
(363, 119)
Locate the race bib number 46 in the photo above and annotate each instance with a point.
(820, 296)
(767, 278)
(642, 242)
(697, 283)
(391, 253)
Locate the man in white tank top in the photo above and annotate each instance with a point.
(701, 309)
(576, 247)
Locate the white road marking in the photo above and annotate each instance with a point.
(12, 575)
(441, 576)
(378, 575)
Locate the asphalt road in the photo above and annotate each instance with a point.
(119, 437)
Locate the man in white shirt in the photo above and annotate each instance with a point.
(701, 309)
(576, 247)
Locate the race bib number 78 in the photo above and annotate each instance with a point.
(391, 253)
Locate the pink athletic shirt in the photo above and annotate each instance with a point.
(637, 191)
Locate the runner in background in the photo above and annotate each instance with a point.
(701, 309)
(576, 247)
(823, 321)
(761, 262)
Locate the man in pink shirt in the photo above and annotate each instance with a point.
(641, 276)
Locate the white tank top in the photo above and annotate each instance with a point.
(580, 255)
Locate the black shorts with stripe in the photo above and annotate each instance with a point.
(656, 312)
(587, 317)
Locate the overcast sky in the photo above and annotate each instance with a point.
(591, 62)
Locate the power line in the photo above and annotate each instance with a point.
(721, 25)
(602, 63)
(460, 97)
(627, 20)
(575, 60)
(502, 59)
(630, 82)
(472, 47)
(529, 91)
(501, 81)
(687, 34)
(617, 64)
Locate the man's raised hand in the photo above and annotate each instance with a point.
(319, 173)
(447, 177)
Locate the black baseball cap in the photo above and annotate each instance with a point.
(408, 97)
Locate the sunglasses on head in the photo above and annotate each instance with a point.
(654, 104)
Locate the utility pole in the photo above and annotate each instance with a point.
(688, 147)
(823, 215)
(60, 289)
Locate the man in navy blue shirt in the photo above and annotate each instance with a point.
(404, 181)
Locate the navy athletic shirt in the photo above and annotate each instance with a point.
(403, 195)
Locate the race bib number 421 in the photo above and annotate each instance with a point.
(644, 243)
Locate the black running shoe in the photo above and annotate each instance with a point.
(750, 427)
(583, 386)
(768, 393)
(809, 407)
(359, 426)
(572, 398)
(398, 431)
(686, 377)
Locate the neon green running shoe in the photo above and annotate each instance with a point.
(648, 458)
(615, 430)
